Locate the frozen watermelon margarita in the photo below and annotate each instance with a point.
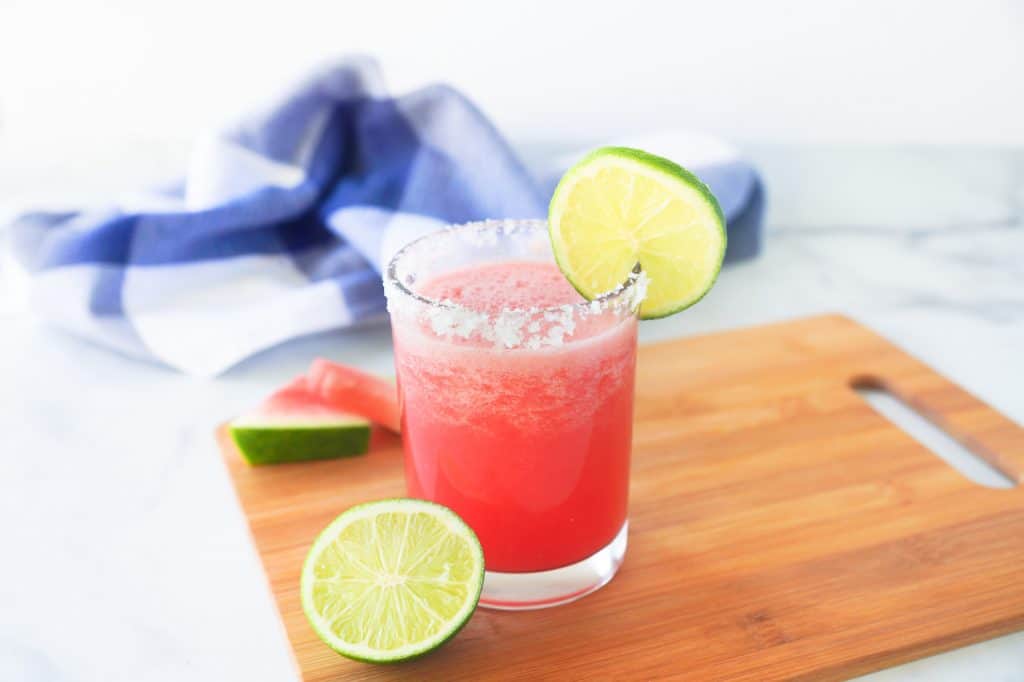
(515, 348)
(517, 403)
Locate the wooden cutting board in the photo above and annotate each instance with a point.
(779, 527)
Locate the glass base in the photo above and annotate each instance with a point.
(539, 590)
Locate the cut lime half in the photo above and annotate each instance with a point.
(618, 207)
(391, 580)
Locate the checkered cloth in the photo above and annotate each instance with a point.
(284, 221)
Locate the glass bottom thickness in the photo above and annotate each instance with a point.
(542, 589)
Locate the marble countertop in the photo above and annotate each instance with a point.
(125, 556)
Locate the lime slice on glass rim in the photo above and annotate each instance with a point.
(391, 580)
(619, 207)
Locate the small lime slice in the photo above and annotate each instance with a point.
(618, 207)
(391, 580)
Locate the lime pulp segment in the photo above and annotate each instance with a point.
(391, 580)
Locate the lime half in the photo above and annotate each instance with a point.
(618, 207)
(391, 580)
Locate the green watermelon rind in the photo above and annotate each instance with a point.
(281, 444)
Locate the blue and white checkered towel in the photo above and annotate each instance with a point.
(284, 220)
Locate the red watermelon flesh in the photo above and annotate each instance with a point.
(294, 402)
(351, 390)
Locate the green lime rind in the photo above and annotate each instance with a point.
(671, 173)
(415, 649)
(279, 444)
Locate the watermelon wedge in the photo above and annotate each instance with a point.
(352, 390)
(295, 424)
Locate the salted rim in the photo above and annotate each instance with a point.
(602, 301)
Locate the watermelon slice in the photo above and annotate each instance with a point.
(296, 424)
(349, 389)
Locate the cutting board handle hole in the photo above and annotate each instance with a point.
(970, 465)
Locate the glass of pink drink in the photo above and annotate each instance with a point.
(517, 401)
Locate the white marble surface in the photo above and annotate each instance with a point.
(123, 555)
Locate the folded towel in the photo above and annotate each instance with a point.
(284, 221)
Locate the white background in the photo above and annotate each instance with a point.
(97, 93)
(96, 98)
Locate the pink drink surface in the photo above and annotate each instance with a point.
(530, 446)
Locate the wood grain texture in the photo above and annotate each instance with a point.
(779, 527)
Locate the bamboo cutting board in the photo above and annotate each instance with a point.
(779, 527)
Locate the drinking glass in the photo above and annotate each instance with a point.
(518, 418)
